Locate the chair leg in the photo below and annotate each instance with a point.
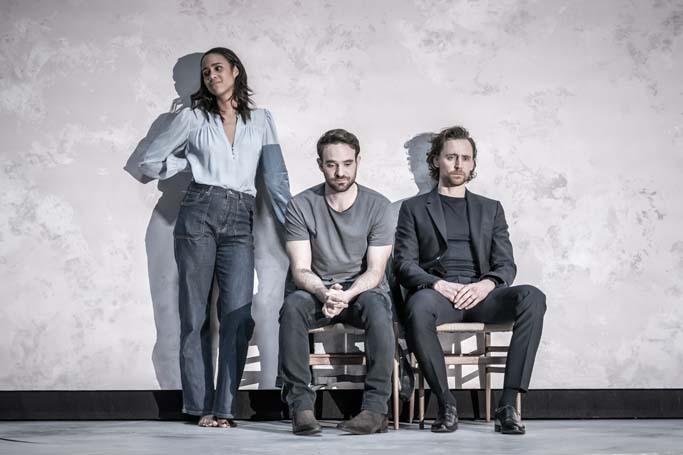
(487, 343)
(411, 407)
(395, 393)
(519, 404)
(411, 403)
(421, 400)
(487, 394)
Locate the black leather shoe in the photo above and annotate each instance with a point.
(305, 424)
(508, 421)
(447, 420)
(366, 422)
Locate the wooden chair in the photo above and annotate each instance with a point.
(482, 357)
(351, 358)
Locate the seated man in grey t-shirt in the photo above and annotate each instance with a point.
(339, 238)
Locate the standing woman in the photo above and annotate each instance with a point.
(224, 140)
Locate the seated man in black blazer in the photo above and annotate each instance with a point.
(453, 255)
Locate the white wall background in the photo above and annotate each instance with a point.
(577, 107)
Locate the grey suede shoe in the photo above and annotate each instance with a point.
(366, 422)
(304, 423)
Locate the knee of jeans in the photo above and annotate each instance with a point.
(376, 306)
(295, 305)
(533, 299)
(246, 322)
(240, 318)
(375, 298)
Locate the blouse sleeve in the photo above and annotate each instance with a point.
(159, 161)
(273, 169)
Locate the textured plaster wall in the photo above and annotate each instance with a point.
(577, 107)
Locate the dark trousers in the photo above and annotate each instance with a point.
(213, 237)
(370, 311)
(524, 305)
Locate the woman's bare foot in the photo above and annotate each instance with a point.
(225, 423)
(208, 421)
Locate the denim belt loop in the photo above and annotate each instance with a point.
(203, 187)
(219, 189)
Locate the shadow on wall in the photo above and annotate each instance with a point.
(271, 263)
(416, 154)
(161, 266)
(270, 259)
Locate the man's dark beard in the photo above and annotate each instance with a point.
(335, 186)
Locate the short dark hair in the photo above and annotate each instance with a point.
(438, 141)
(338, 136)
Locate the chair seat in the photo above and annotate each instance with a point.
(471, 327)
(338, 328)
(474, 359)
(337, 359)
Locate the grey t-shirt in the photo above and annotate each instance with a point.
(339, 240)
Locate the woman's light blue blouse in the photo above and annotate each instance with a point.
(195, 140)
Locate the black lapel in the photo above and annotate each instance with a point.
(475, 214)
(436, 212)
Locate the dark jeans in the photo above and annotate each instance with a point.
(213, 237)
(524, 305)
(370, 311)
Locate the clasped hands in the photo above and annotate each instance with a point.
(336, 299)
(464, 296)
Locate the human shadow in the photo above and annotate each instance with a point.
(161, 267)
(271, 265)
(417, 149)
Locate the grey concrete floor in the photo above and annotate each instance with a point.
(150, 437)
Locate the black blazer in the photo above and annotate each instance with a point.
(421, 241)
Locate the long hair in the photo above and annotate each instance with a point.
(438, 141)
(241, 93)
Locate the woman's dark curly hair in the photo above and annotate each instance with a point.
(241, 92)
(438, 141)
